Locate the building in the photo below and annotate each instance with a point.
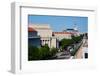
(62, 35)
(33, 38)
(45, 33)
(74, 31)
(43, 30)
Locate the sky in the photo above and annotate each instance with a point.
(59, 23)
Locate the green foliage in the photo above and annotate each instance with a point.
(33, 53)
(76, 39)
(53, 51)
(45, 52)
(66, 42)
(42, 53)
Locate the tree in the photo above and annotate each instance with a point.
(33, 53)
(40, 53)
(45, 52)
(76, 39)
(66, 42)
(53, 51)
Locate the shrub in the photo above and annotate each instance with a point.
(76, 39)
(45, 52)
(66, 42)
(42, 53)
(53, 51)
(33, 53)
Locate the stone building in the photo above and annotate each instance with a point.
(47, 36)
(33, 38)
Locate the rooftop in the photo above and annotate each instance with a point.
(40, 26)
(31, 29)
(62, 33)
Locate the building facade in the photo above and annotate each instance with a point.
(44, 33)
(62, 35)
(33, 38)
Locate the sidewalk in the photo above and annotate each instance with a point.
(79, 54)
